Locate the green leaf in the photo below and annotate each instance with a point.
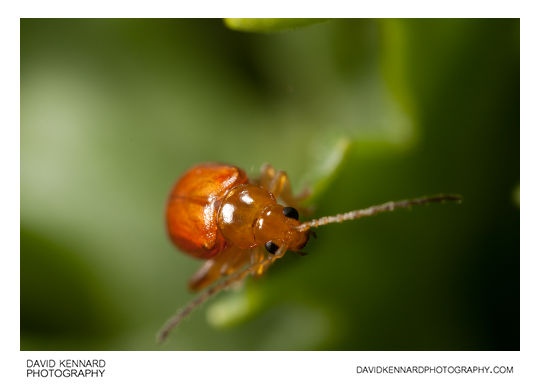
(360, 111)
(269, 25)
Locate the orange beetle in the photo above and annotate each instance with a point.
(215, 212)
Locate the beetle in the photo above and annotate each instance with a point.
(240, 226)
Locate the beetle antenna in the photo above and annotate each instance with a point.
(184, 311)
(373, 210)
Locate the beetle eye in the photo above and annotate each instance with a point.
(271, 247)
(290, 212)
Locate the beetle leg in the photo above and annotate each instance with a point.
(205, 275)
(264, 261)
(267, 175)
(235, 261)
(225, 263)
(276, 183)
(257, 256)
(280, 187)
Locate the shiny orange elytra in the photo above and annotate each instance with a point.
(239, 226)
(193, 206)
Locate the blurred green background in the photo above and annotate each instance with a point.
(363, 111)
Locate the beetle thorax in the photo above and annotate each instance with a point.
(239, 211)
